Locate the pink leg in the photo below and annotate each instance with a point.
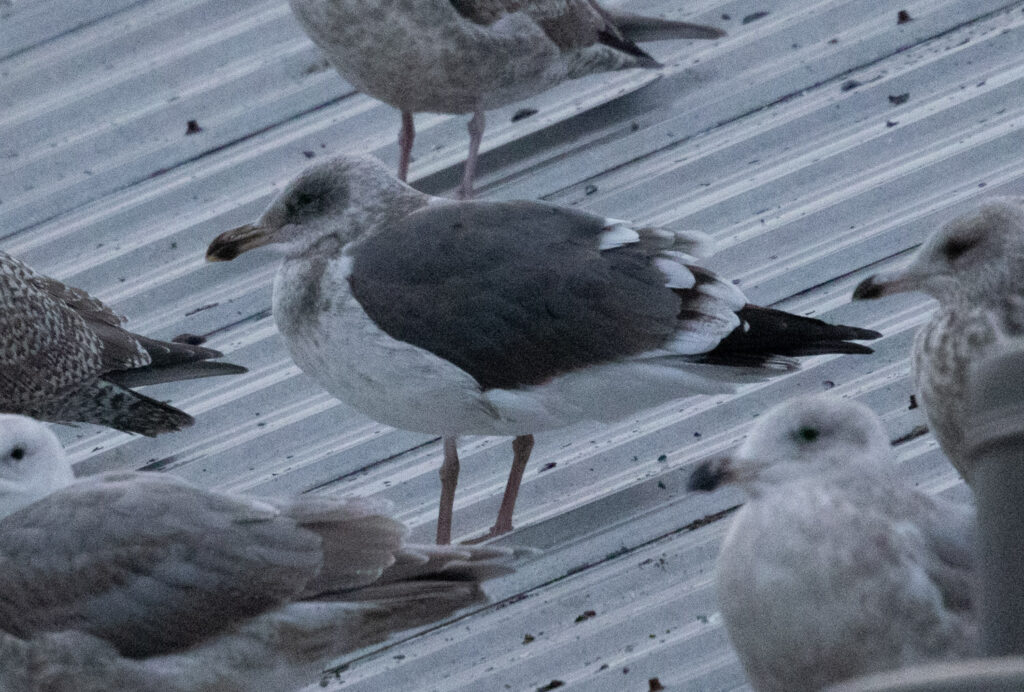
(405, 137)
(521, 448)
(449, 479)
(476, 134)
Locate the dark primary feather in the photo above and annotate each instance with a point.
(639, 28)
(170, 362)
(766, 333)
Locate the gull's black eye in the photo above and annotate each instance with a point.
(18, 453)
(301, 202)
(955, 247)
(808, 434)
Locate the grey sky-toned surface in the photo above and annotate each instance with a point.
(817, 144)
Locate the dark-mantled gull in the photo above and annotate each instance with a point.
(140, 582)
(64, 357)
(470, 56)
(504, 318)
(837, 567)
(974, 267)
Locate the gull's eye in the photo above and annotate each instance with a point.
(300, 202)
(955, 247)
(807, 434)
(18, 453)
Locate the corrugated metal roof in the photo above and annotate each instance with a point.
(789, 141)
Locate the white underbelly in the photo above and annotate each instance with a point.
(333, 341)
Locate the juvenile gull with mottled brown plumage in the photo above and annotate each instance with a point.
(64, 357)
(504, 318)
(469, 56)
(140, 582)
(974, 267)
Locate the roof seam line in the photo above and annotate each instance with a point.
(186, 161)
(72, 30)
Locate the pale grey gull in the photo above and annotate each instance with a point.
(504, 318)
(974, 267)
(836, 566)
(141, 582)
(470, 56)
(64, 357)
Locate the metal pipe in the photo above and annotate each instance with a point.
(995, 442)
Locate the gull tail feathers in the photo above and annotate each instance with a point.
(108, 403)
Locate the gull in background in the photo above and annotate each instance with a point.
(470, 56)
(974, 267)
(504, 318)
(141, 582)
(64, 357)
(836, 567)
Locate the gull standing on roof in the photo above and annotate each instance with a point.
(974, 267)
(836, 567)
(470, 56)
(140, 582)
(504, 318)
(64, 357)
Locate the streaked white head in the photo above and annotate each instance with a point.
(337, 197)
(803, 436)
(32, 463)
(976, 257)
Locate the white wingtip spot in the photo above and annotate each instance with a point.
(676, 275)
(343, 266)
(681, 257)
(725, 292)
(617, 234)
(695, 243)
(662, 234)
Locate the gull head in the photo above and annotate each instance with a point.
(974, 258)
(801, 437)
(340, 197)
(32, 463)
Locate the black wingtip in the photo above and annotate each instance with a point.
(641, 28)
(173, 372)
(854, 348)
(620, 43)
(708, 476)
(868, 289)
(862, 334)
(771, 332)
(825, 347)
(225, 369)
